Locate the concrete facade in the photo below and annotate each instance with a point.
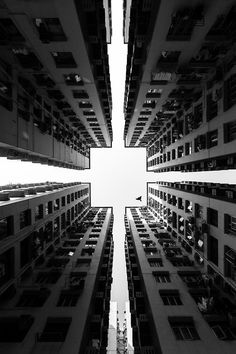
(55, 94)
(177, 303)
(56, 256)
(180, 83)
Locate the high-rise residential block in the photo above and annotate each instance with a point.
(181, 257)
(55, 94)
(180, 83)
(56, 255)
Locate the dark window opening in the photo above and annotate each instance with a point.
(55, 330)
(6, 266)
(25, 218)
(33, 298)
(39, 212)
(183, 328)
(229, 132)
(64, 60)
(49, 30)
(44, 80)
(6, 227)
(230, 262)
(26, 251)
(14, 329)
(212, 249)
(212, 139)
(6, 95)
(9, 32)
(50, 277)
(27, 59)
(73, 79)
(212, 217)
(170, 297)
(162, 277)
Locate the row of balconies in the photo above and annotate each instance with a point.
(36, 255)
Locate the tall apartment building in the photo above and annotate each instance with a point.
(181, 277)
(55, 93)
(56, 255)
(180, 83)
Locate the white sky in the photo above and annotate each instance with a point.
(118, 175)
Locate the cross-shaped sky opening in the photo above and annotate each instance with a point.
(118, 175)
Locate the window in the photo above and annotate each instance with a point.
(68, 218)
(170, 297)
(229, 92)
(9, 32)
(56, 226)
(26, 251)
(39, 212)
(23, 107)
(188, 148)
(212, 217)
(154, 93)
(25, 218)
(212, 105)
(68, 198)
(230, 224)
(230, 262)
(181, 262)
(50, 277)
(44, 80)
(68, 298)
(155, 262)
(223, 331)
(162, 277)
(48, 208)
(33, 298)
(83, 262)
(49, 30)
(80, 94)
(63, 221)
(14, 329)
(87, 251)
(212, 139)
(63, 201)
(212, 249)
(180, 203)
(55, 329)
(56, 204)
(73, 79)
(6, 95)
(64, 60)
(183, 328)
(6, 227)
(229, 132)
(27, 59)
(180, 151)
